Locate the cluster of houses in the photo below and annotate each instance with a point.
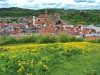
(46, 24)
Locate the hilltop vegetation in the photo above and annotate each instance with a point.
(20, 12)
(71, 16)
(82, 16)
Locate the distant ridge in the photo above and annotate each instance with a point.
(21, 12)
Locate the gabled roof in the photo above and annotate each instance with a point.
(93, 27)
(44, 16)
(15, 32)
(40, 22)
(3, 25)
(46, 30)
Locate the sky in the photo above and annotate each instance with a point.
(41, 4)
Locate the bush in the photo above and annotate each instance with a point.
(7, 40)
(27, 39)
(21, 40)
(40, 39)
(63, 38)
(53, 39)
(93, 41)
(76, 39)
(79, 39)
(98, 40)
(10, 40)
(32, 38)
(73, 39)
(46, 39)
(2, 42)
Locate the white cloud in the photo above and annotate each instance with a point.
(97, 1)
(38, 4)
(17, 2)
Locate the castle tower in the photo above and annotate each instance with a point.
(33, 19)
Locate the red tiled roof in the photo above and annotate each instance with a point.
(40, 22)
(59, 32)
(3, 25)
(15, 32)
(66, 30)
(61, 25)
(43, 16)
(46, 30)
(85, 32)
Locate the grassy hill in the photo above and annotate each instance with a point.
(74, 58)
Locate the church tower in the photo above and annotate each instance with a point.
(33, 19)
(46, 12)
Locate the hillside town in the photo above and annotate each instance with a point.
(47, 24)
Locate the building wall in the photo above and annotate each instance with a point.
(92, 37)
(33, 20)
(28, 34)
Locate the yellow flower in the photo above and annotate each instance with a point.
(19, 70)
(40, 63)
(2, 54)
(3, 69)
(19, 64)
(46, 67)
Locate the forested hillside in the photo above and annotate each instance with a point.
(72, 16)
(82, 16)
(20, 12)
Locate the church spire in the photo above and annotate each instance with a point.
(46, 12)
